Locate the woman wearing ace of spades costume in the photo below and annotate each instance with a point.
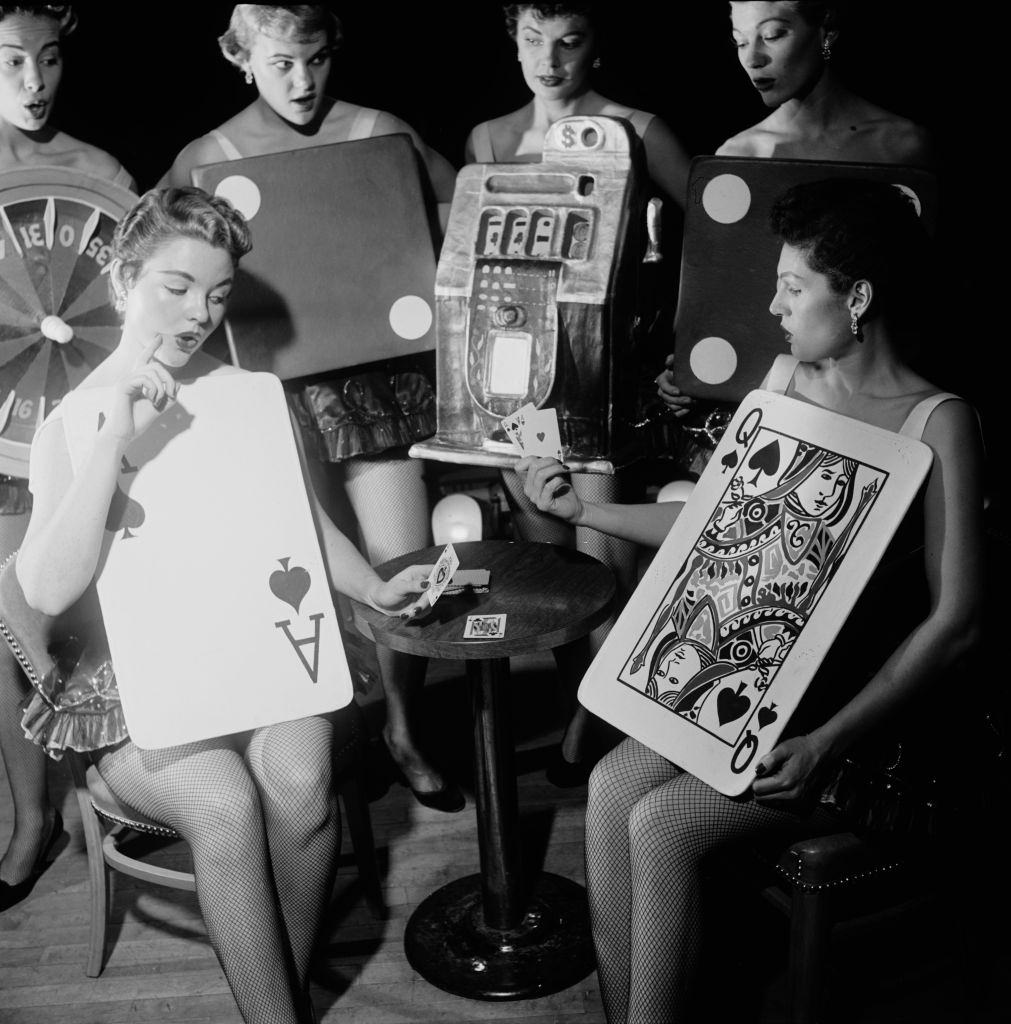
(286, 53)
(258, 809)
(851, 262)
(31, 67)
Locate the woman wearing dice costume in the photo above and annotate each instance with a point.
(286, 52)
(31, 67)
(849, 278)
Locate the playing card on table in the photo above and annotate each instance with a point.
(515, 425)
(541, 436)
(442, 573)
(484, 627)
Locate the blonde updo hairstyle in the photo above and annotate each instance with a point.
(299, 23)
(162, 215)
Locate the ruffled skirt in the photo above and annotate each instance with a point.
(76, 704)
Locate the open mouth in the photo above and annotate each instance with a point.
(37, 110)
(763, 84)
(188, 342)
(550, 80)
(304, 102)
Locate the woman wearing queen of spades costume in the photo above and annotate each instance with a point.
(848, 280)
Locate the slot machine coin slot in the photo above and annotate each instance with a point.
(586, 185)
(590, 137)
(509, 316)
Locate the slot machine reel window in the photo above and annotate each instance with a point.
(520, 233)
(57, 322)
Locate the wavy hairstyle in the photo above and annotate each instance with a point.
(851, 229)
(299, 22)
(162, 215)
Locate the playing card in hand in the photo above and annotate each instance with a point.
(442, 573)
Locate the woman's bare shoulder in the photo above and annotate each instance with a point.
(757, 141)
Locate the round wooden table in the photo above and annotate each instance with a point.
(484, 936)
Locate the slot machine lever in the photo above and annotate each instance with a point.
(653, 210)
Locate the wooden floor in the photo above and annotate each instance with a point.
(161, 968)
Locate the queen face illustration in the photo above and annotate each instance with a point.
(680, 664)
(820, 493)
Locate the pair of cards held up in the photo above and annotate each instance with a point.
(534, 431)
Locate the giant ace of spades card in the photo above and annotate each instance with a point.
(713, 652)
(211, 580)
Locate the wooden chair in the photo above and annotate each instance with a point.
(30, 634)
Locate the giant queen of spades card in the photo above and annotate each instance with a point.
(717, 645)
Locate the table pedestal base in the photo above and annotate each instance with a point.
(448, 943)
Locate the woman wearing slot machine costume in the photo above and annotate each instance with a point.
(849, 280)
(557, 45)
(258, 809)
(287, 52)
(31, 66)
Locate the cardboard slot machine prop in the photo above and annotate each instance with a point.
(343, 265)
(57, 322)
(724, 336)
(535, 299)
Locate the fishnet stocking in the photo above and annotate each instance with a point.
(255, 829)
(648, 827)
(24, 761)
(389, 500)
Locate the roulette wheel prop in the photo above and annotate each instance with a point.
(57, 321)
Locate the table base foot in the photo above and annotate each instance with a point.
(448, 943)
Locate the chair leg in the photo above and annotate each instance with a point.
(98, 878)
(356, 809)
(810, 924)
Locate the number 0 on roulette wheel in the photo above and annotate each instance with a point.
(57, 322)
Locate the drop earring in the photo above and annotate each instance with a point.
(855, 327)
(826, 50)
(596, 63)
(248, 76)
(119, 303)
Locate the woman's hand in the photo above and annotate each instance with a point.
(671, 395)
(546, 484)
(400, 595)
(790, 771)
(139, 396)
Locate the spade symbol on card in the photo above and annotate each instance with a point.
(124, 514)
(729, 461)
(731, 705)
(290, 585)
(765, 460)
(767, 715)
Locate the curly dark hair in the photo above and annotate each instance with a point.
(544, 12)
(852, 229)
(163, 214)
(62, 14)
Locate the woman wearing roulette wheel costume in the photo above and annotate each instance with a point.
(60, 200)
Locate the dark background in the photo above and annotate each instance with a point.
(143, 80)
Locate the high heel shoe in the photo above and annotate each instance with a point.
(10, 895)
